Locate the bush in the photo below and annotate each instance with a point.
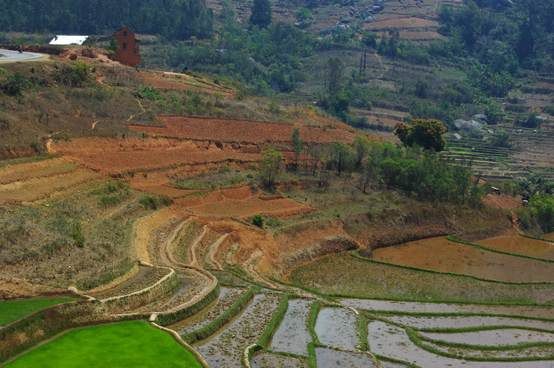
(73, 75)
(539, 213)
(15, 84)
(258, 221)
(154, 202)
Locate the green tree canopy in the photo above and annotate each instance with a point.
(426, 133)
(270, 167)
(261, 13)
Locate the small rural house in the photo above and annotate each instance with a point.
(65, 40)
(127, 47)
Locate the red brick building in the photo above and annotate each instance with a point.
(127, 51)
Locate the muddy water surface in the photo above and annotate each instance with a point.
(393, 342)
(466, 322)
(329, 358)
(336, 327)
(269, 360)
(293, 336)
(508, 336)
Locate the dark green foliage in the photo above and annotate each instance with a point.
(258, 221)
(539, 213)
(73, 75)
(424, 133)
(518, 33)
(15, 84)
(500, 139)
(261, 13)
(154, 202)
(494, 113)
(420, 173)
(264, 59)
(112, 193)
(179, 19)
(342, 158)
(531, 121)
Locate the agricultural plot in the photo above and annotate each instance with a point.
(145, 277)
(241, 131)
(330, 358)
(336, 328)
(469, 322)
(118, 345)
(13, 310)
(113, 156)
(442, 255)
(227, 296)
(446, 308)
(517, 244)
(184, 82)
(293, 336)
(394, 342)
(266, 360)
(349, 276)
(491, 338)
(226, 348)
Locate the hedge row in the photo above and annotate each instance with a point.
(212, 327)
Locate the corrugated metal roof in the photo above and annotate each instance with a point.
(64, 40)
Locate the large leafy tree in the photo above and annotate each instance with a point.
(426, 133)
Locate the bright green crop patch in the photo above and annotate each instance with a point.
(12, 310)
(117, 345)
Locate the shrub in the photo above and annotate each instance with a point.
(258, 221)
(15, 84)
(73, 75)
(154, 202)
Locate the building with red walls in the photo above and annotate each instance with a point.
(127, 47)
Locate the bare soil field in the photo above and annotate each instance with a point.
(240, 202)
(116, 157)
(241, 131)
(517, 244)
(503, 201)
(42, 168)
(145, 277)
(439, 254)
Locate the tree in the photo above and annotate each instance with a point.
(297, 146)
(334, 76)
(270, 167)
(361, 146)
(342, 157)
(261, 13)
(422, 132)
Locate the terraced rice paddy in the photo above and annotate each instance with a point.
(266, 360)
(336, 328)
(394, 342)
(349, 276)
(330, 358)
(442, 255)
(293, 336)
(119, 345)
(13, 310)
(226, 348)
(145, 277)
(489, 338)
(227, 296)
(517, 244)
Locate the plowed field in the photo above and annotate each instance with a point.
(131, 155)
(241, 131)
(439, 254)
(513, 243)
(183, 82)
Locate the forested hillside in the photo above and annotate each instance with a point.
(178, 19)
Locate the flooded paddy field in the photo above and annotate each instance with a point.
(226, 348)
(336, 328)
(293, 336)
